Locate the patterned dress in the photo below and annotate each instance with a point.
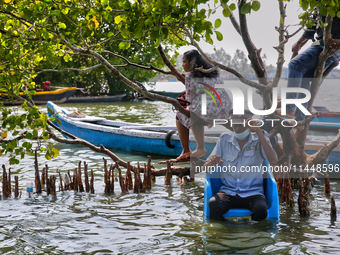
(195, 87)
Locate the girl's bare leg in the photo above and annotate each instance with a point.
(198, 131)
(183, 134)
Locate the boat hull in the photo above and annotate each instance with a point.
(96, 99)
(325, 119)
(57, 96)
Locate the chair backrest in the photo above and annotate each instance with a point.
(213, 184)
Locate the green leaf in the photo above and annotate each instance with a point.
(138, 33)
(219, 36)
(226, 12)
(13, 161)
(305, 5)
(165, 32)
(313, 3)
(55, 152)
(118, 19)
(256, 6)
(62, 25)
(48, 155)
(65, 11)
(35, 133)
(338, 14)
(218, 23)
(232, 7)
(246, 8)
(124, 45)
(55, 12)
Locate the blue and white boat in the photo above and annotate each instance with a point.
(325, 119)
(147, 139)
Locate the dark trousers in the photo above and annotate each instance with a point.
(221, 203)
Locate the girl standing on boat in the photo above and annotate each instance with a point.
(198, 83)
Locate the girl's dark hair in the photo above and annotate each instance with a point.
(196, 61)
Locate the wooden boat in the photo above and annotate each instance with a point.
(147, 139)
(58, 96)
(96, 99)
(167, 93)
(162, 93)
(325, 119)
(212, 185)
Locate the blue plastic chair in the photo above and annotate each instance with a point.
(212, 186)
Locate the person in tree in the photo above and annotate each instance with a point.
(196, 84)
(302, 67)
(248, 146)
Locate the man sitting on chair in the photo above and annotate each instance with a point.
(241, 155)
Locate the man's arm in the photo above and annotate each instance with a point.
(268, 149)
(298, 45)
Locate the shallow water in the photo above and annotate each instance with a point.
(162, 221)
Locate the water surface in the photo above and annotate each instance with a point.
(162, 221)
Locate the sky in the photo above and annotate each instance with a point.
(261, 26)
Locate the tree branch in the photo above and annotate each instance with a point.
(254, 53)
(17, 138)
(223, 67)
(281, 48)
(128, 82)
(151, 67)
(235, 23)
(170, 65)
(69, 69)
(319, 73)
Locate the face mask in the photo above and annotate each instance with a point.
(243, 135)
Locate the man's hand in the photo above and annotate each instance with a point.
(253, 127)
(334, 43)
(213, 161)
(296, 48)
(298, 45)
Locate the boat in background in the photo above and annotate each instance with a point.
(325, 119)
(162, 93)
(167, 94)
(96, 99)
(58, 96)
